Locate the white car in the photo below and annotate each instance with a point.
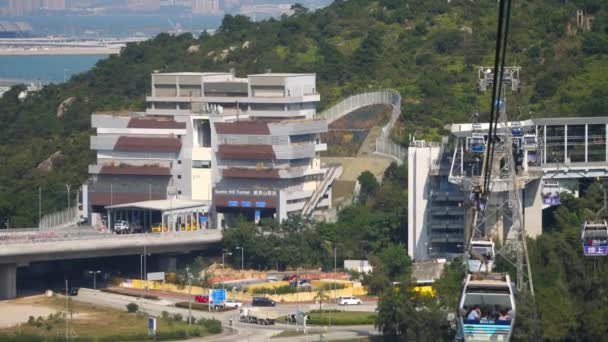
(121, 227)
(231, 303)
(350, 301)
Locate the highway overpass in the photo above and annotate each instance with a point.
(19, 249)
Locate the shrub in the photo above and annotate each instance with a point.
(332, 286)
(116, 281)
(31, 320)
(178, 317)
(165, 315)
(213, 326)
(132, 307)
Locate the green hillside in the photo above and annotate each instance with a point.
(426, 49)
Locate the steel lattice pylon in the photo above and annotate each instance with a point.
(507, 181)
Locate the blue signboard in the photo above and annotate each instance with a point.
(203, 218)
(595, 250)
(260, 204)
(218, 296)
(233, 203)
(246, 204)
(151, 326)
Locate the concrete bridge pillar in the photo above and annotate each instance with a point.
(8, 281)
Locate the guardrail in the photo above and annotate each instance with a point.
(384, 145)
(44, 237)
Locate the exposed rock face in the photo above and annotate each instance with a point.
(51, 162)
(194, 49)
(63, 107)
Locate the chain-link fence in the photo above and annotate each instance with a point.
(66, 217)
(384, 144)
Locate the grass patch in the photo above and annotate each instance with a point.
(288, 333)
(342, 317)
(202, 307)
(130, 294)
(96, 323)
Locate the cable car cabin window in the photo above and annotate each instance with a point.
(485, 252)
(497, 290)
(530, 140)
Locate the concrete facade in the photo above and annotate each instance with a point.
(421, 157)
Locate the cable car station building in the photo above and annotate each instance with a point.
(550, 155)
(243, 146)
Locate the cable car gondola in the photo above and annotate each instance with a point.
(550, 192)
(477, 143)
(530, 142)
(486, 309)
(595, 238)
(516, 129)
(480, 257)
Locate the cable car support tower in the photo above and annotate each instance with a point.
(498, 191)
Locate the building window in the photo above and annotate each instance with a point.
(179, 176)
(179, 162)
(201, 164)
(179, 192)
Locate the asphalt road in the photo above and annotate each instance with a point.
(238, 331)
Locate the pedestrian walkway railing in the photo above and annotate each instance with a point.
(384, 144)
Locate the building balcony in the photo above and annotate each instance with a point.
(267, 152)
(130, 170)
(135, 144)
(270, 173)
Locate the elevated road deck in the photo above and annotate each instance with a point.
(17, 252)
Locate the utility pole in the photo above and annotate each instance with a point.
(67, 335)
(39, 207)
(94, 273)
(242, 257)
(67, 186)
(223, 254)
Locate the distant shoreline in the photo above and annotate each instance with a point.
(59, 51)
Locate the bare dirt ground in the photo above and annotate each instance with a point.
(19, 310)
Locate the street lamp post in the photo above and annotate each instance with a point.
(94, 273)
(67, 186)
(242, 257)
(189, 296)
(224, 254)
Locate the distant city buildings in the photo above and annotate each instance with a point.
(252, 8)
(143, 5)
(206, 7)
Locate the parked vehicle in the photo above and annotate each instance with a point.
(121, 227)
(202, 299)
(158, 228)
(258, 316)
(263, 301)
(72, 291)
(231, 303)
(350, 300)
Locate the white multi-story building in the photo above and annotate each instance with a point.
(249, 145)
